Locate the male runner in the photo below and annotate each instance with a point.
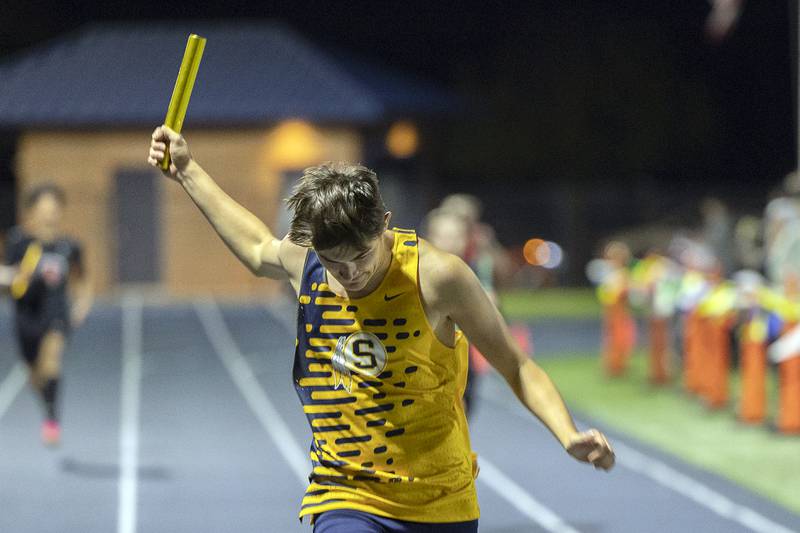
(46, 264)
(379, 365)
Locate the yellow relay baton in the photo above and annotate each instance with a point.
(179, 102)
(27, 267)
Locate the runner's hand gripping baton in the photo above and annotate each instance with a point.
(179, 102)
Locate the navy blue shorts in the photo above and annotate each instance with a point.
(31, 331)
(348, 521)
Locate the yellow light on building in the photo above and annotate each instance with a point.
(294, 144)
(402, 140)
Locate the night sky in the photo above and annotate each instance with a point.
(602, 114)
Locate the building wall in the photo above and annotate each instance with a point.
(194, 259)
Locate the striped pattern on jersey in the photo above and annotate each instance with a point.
(382, 396)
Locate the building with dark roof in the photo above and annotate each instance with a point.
(252, 74)
(266, 103)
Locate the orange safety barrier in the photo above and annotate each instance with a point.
(659, 350)
(789, 374)
(753, 405)
(700, 346)
(619, 337)
(705, 346)
(691, 349)
(789, 395)
(715, 390)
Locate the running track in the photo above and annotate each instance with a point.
(182, 418)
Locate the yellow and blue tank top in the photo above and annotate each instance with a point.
(383, 398)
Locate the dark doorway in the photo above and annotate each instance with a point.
(8, 192)
(136, 203)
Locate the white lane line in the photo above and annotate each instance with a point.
(506, 488)
(696, 491)
(674, 480)
(127, 490)
(11, 386)
(284, 313)
(243, 376)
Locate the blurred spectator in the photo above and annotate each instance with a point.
(449, 230)
(619, 329)
(749, 243)
(718, 233)
(483, 253)
(782, 236)
(455, 227)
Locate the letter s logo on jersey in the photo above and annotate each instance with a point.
(360, 352)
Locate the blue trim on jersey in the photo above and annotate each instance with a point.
(311, 313)
(347, 521)
(313, 272)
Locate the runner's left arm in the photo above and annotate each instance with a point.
(468, 305)
(80, 286)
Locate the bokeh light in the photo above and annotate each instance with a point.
(402, 140)
(530, 251)
(294, 144)
(546, 254)
(597, 270)
(555, 255)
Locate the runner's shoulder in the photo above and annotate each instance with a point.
(16, 235)
(292, 257)
(16, 242)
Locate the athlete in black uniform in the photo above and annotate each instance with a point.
(47, 267)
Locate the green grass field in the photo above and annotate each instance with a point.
(550, 303)
(668, 419)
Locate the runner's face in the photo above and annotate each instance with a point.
(353, 268)
(46, 215)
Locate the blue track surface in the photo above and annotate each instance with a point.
(204, 462)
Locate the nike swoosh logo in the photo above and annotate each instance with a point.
(389, 298)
